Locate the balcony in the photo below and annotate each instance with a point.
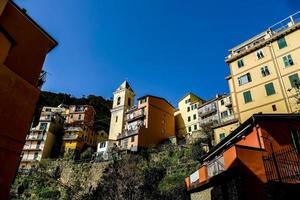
(215, 167)
(207, 112)
(32, 148)
(128, 133)
(35, 137)
(228, 103)
(70, 137)
(138, 114)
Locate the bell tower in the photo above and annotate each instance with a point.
(123, 99)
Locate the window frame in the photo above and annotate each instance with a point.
(281, 41)
(270, 89)
(250, 99)
(288, 61)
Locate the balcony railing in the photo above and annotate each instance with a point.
(128, 133)
(70, 137)
(135, 115)
(215, 166)
(36, 148)
(262, 37)
(207, 112)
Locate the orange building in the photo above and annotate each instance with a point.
(264, 150)
(23, 48)
(147, 124)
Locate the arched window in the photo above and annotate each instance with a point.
(119, 101)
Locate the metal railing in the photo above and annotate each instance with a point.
(283, 166)
(270, 32)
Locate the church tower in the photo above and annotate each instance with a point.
(123, 99)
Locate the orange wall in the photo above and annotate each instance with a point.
(28, 63)
(229, 157)
(18, 92)
(250, 140)
(157, 111)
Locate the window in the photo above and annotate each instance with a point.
(294, 80)
(194, 116)
(260, 54)
(270, 90)
(274, 107)
(195, 127)
(144, 100)
(119, 101)
(224, 114)
(296, 139)
(222, 136)
(222, 102)
(190, 129)
(288, 61)
(244, 79)
(79, 117)
(247, 96)
(119, 143)
(102, 144)
(281, 43)
(189, 119)
(43, 126)
(188, 109)
(240, 63)
(132, 138)
(129, 102)
(265, 71)
(35, 156)
(116, 118)
(187, 101)
(71, 116)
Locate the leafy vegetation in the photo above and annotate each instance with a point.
(150, 174)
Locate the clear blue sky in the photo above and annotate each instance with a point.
(163, 47)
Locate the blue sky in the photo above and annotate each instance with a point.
(163, 47)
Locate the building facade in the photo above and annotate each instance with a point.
(186, 116)
(242, 166)
(79, 129)
(20, 70)
(148, 124)
(264, 71)
(42, 139)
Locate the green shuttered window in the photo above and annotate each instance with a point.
(247, 97)
(270, 90)
(281, 43)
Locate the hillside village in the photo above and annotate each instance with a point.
(241, 145)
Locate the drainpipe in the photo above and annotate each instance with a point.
(257, 132)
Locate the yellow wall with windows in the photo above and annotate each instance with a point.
(226, 129)
(279, 75)
(181, 116)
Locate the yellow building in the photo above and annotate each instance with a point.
(186, 116)
(123, 100)
(148, 124)
(79, 125)
(264, 71)
(42, 141)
